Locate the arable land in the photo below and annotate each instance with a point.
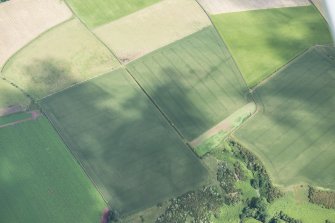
(293, 133)
(128, 149)
(194, 81)
(264, 40)
(39, 179)
(98, 12)
(23, 20)
(61, 57)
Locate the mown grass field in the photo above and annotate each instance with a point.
(61, 57)
(293, 132)
(126, 146)
(11, 96)
(264, 40)
(98, 12)
(39, 179)
(194, 81)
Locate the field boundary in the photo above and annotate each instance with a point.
(74, 156)
(261, 83)
(122, 66)
(227, 124)
(79, 83)
(34, 115)
(316, 8)
(31, 41)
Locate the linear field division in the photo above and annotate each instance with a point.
(194, 81)
(39, 179)
(126, 146)
(293, 133)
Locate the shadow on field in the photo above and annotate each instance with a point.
(133, 155)
(312, 31)
(296, 127)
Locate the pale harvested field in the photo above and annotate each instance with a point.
(226, 6)
(151, 28)
(23, 20)
(64, 56)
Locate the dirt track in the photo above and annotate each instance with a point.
(228, 125)
(34, 115)
(226, 6)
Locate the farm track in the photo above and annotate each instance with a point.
(34, 115)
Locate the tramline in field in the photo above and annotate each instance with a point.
(293, 134)
(129, 150)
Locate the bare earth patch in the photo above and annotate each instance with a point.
(227, 125)
(226, 6)
(22, 20)
(153, 27)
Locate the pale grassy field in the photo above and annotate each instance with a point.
(61, 57)
(23, 20)
(153, 27)
(225, 6)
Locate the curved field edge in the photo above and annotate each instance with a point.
(295, 145)
(65, 55)
(37, 169)
(22, 21)
(262, 41)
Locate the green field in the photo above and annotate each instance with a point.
(262, 41)
(61, 57)
(98, 12)
(194, 81)
(40, 181)
(14, 117)
(11, 96)
(296, 205)
(125, 145)
(293, 133)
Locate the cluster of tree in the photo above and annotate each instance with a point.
(320, 197)
(261, 179)
(3, 1)
(196, 206)
(110, 216)
(280, 217)
(256, 208)
(227, 176)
